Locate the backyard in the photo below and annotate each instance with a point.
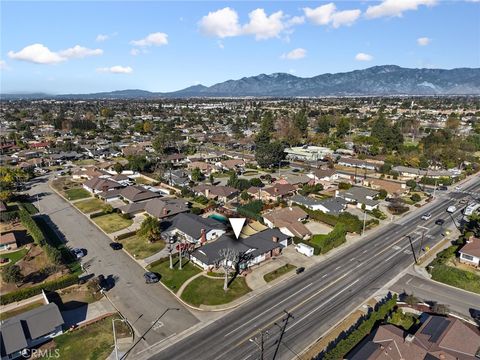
(76, 194)
(112, 222)
(14, 256)
(174, 278)
(140, 248)
(208, 291)
(90, 205)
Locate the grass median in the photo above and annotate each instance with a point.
(282, 270)
(208, 291)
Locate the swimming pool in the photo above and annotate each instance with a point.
(219, 217)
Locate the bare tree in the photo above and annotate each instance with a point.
(228, 259)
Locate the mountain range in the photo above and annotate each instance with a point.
(383, 80)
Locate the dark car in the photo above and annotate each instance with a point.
(300, 270)
(116, 246)
(475, 314)
(103, 284)
(440, 222)
(443, 188)
(150, 277)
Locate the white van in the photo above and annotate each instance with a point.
(451, 209)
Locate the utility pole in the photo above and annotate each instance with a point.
(285, 322)
(261, 345)
(413, 250)
(170, 244)
(364, 220)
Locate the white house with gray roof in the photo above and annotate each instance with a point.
(332, 206)
(360, 196)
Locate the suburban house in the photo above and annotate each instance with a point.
(410, 172)
(360, 196)
(231, 164)
(131, 194)
(178, 177)
(98, 185)
(193, 228)
(8, 241)
(333, 206)
(308, 153)
(252, 250)
(220, 193)
(89, 173)
(323, 175)
(360, 164)
(289, 221)
(204, 167)
(277, 192)
(391, 187)
(295, 180)
(160, 208)
(29, 329)
(470, 252)
(437, 338)
(176, 158)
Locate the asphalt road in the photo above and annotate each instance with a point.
(319, 297)
(459, 301)
(140, 303)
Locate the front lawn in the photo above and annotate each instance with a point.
(112, 222)
(462, 279)
(209, 291)
(14, 256)
(141, 248)
(174, 278)
(272, 275)
(97, 338)
(90, 205)
(76, 194)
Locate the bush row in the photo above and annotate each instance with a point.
(26, 293)
(346, 341)
(125, 235)
(32, 227)
(8, 216)
(352, 223)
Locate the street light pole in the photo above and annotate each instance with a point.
(364, 220)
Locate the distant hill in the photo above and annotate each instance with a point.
(375, 81)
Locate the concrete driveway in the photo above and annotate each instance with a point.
(140, 303)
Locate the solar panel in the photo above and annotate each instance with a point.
(435, 328)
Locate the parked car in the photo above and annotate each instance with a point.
(427, 216)
(150, 277)
(78, 253)
(443, 188)
(116, 246)
(103, 283)
(451, 209)
(458, 188)
(300, 270)
(440, 222)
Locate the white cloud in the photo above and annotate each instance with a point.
(328, 15)
(363, 57)
(102, 37)
(221, 23)
(40, 54)
(263, 26)
(296, 20)
(117, 69)
(3, 65)
(78, 52)
(395, 7)
(295, 54)
(423, 41)
(153, 39)
(134, 52)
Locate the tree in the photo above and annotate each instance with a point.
(228, 258)
(150, 229)
(197, 174)
(323, 125)
(244, 195)
(415, 197)
(211, 179)
(11, 273)
(411, 300)
(256, 182)
(118, 168)
(300, 121)
(268, 123)
(343, 127)
(269, 154)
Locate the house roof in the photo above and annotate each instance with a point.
(165, 207)
(323, 173)
(279, 189)
(220, 190)
(137, 193)
(360, 195)
(29, 325)
(294, 179)
(289, 218)
(335, 205)
(192, 224)
(472, 247)
(97, 183)
(8, 238)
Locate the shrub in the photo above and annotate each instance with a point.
(344, 186)
(251, 210)
(256, 182)
(11, 273)
(32, 227)
(333, 239)
(8, 216)
(201, 200)
(415, 198)
(196, 210)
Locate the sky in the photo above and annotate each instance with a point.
(83, 47)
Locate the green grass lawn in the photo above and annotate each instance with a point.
(250, 172)
(94, 341)
(141, 248)
(174, 278)
(77, 193)
(90, 205)
(15, 256)
(272, 275)
(8, 314)
(462, 279)
(209, 291)
(112, 222)
(142, 181)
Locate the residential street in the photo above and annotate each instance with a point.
(458, 301)
(321, 296)
(140, 303)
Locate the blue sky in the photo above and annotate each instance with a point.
(77, 47)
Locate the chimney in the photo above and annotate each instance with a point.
(207, 192)
(203, 236)
(274, 239)
(164, 211)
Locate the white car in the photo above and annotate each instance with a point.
(451, 209)
(458, 188)
(426, 216)
(78, 253)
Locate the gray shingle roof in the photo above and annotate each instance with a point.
(192, 224)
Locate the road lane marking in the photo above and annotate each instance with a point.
(324, 276)
(338, 267)
(364, 251)
(352, 259)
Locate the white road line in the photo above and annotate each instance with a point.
(262, 314)
(324, 276)
(338, 267)
(352, 259)
(364, 251)
(323, 304)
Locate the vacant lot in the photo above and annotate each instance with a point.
(141, 248)
(77, 194)
(462, 279)
(174, 278)
(112, 222)
(209, 291)
(90, 205)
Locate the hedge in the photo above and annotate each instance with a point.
(352, 223)
(126, 235)
(333, 239)
(8, 216)
(32, 227)
(346, 341)
(29, 207)
(97, 214)
(26, 293)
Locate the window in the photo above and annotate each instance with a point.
(467, 257)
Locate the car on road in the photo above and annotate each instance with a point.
(78, 253)
(151, 277)
(463, 202)
(116, 246)
(442, 188)
(300, 270)
(451, 209)
(427, 216)
(458, 188)
(475, 314)
(104, 283)
(440, 222)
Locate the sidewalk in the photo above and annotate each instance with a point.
(15, 305)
